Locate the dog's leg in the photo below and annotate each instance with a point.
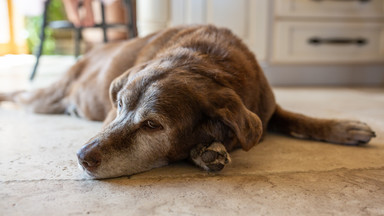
(334, 131)
(49, 100)
(211, 158)
(11, 96)
(45, 100)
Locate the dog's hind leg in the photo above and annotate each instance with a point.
(49, 100)
(9, 96)
(333, 131)
(45, 100)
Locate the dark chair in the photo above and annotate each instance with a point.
(64, 24)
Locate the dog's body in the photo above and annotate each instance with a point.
(188, 92)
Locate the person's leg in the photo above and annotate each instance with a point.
(87, 18)
(115, 13)
(72, 11)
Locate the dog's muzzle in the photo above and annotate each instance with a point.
(89, 156)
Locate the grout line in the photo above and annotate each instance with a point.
(193, 176)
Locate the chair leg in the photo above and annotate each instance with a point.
(77, 41)
(103, 23)
(42, 38)
(131, 23)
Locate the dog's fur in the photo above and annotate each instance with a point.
(188, 92)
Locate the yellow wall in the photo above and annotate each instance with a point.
(13, 42)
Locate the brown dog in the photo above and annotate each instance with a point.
(189, 92)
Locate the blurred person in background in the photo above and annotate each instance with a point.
(90, 14)
(86, 16)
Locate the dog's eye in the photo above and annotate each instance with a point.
(151, 125)
(119, 104)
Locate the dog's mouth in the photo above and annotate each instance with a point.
(86, 173)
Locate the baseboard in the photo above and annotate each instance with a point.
(335, 75)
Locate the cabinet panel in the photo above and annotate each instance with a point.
(246, 18)
(301, 42)
(152, 15)
(330, 8)
(232, 14)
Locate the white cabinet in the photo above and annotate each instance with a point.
(152, 15)
(328, 31)
(330, 8)
(246, 18)
(328, 42)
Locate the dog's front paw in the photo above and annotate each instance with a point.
(351, 133)
(211, 158)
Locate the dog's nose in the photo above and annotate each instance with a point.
(89, 158)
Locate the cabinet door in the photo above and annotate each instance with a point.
(330, 8)
(152, 16)
(246, 18)
(328, 42)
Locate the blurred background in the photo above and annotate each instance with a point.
(297, 42)
(20, 28)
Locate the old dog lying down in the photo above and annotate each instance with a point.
(189, 92)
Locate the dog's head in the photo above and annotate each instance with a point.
(163, 111)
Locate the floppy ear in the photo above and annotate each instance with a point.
(116, 86)
(226, 106)
(119, 82)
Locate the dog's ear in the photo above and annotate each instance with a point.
(119, 82)
(116, 86)
(227, 107)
